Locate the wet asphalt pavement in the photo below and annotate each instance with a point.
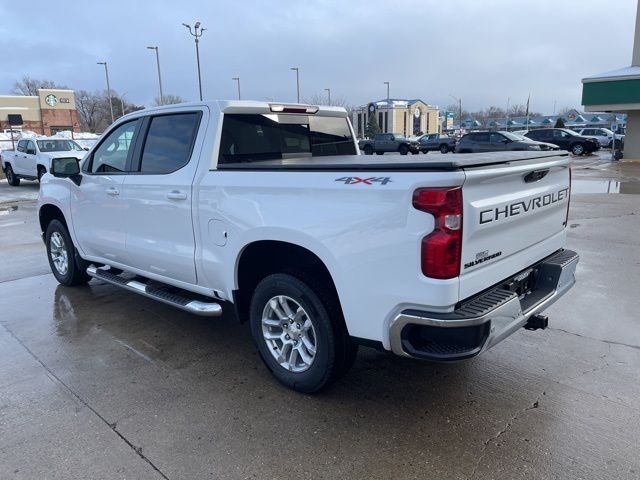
(97, 382)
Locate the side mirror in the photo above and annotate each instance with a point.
(86, 149)
(66, 168)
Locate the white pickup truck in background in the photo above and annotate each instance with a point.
(32, 157)
(268, 211)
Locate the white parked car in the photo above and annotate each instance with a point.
(267, 210)
(32, 157)
(603, 135)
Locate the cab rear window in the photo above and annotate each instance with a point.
(252, 138)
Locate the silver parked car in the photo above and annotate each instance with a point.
(497, 142)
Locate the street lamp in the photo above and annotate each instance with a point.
(159, 76)
(237, 79)
(297, 81)
(328, 90)
(459, 110)
(194, 33)
(106, 72)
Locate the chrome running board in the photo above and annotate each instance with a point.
(197, 307)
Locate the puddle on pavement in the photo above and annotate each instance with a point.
(605, 186)
(8, 210)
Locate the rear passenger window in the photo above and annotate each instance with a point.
(169, 142)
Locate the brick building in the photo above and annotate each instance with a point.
(47, 113)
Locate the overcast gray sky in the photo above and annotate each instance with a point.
(482, 51)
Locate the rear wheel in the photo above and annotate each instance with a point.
(67, 269)
(404, 149)
(577, 149)
(300, 333)
(444, 149)
(368, 150)
(379, 153)
(11, 177)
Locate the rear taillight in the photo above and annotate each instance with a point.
(442, 248)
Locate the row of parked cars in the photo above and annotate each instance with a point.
(580, 142)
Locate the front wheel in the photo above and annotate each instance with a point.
(577, 149)
(368, 150)
(444, 149)
(403, 150)
(300, 333)
(11, 177)
(62, 256)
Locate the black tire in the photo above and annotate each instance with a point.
(11, 176)
(335, 351)
(76, 268)
(578, 149)
(444, 149)
(379, 153)
(41, 172)
(368, 150)
(404, 149)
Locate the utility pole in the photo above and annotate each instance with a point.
(122, 103)
(297, 69)
(106, 72)
(194, 33)
(459, 111)
(237, 79)
(507, 114)
(159, 76)
(328, 90)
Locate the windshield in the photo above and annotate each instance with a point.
(571, 132)
(512, 136)
(58, 146)
(251, 138)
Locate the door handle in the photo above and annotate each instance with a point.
(176, 195)
(112, 191)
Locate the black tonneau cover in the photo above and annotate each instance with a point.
(391, 162)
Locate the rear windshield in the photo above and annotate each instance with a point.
(58, 146)
(252, 138)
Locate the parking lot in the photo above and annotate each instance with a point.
(97, 382)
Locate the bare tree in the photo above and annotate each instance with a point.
(29, 86)
(91, 110)
(168, 99)
(322, 99)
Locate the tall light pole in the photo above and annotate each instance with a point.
(106, 72)
(459, 111)
(388, 108)
(507, 122)
(328, 90)
(194, 33)
(122, 102)
(159, 76)
(237, 79)
(297, 69)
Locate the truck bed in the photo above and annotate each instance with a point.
(391, 162)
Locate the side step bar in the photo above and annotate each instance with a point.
(192, 306)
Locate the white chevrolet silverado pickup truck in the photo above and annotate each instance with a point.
(32, 157)
(267, 210)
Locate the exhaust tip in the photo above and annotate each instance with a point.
(537, 322)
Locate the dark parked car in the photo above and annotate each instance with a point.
(566, 140)
(497, 141)
(388, 142)
(433, 142)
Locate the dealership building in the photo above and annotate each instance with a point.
(399, 116)
(49, 112)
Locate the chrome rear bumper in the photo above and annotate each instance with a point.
(486, 319)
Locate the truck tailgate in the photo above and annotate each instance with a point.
(514, 215)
